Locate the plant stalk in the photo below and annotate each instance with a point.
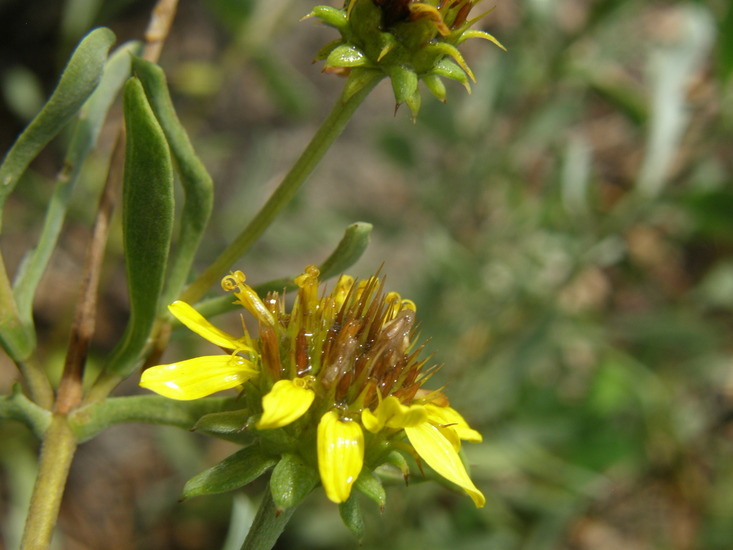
(57, 452)
(323, 139)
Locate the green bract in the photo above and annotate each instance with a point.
(405, 40)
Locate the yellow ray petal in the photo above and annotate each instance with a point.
(393, 414)
(198, 377)
(286, 402)
(447, 417)
(438, 452)
(198, 324)
(340, 455)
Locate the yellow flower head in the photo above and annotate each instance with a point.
(336, 380)
(407, 40)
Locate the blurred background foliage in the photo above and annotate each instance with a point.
(565, 230)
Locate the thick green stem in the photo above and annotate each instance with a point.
(59, 445)
(268, 524)
(322, 140)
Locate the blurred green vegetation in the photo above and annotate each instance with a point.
(565, 231)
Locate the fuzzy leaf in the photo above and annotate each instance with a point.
(198, 186)
(352, 517)
(147, 221)
(78, 81)
(292, 480)
(227, 425)
(233, 472)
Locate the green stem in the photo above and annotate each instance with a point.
(268, 524)
(59, 445)
(322, 140)
(89, 420)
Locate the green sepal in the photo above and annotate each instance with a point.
(346, 56)
(413, 102)
(333, 17)
(227, 425)
(371, 486)
(479, 34)
(404, 82)
(436, 86)
(326, 50)
(449, 69)
(365, 21)
(197, 184)
(233, 472)
(79, 79)
(395, 459)
(352, 517)
(277, 440)
(292, 480)
(147, 222)
(359, 77)
(443, 48)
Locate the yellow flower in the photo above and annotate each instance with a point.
(202, 376)
(340, 380)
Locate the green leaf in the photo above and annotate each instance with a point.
(78, 81)
(292, 480)
(352, 517)
(83, 140)
(197, 184)
(228, 425)
(233, 472)
(147, 221)
(371, 486)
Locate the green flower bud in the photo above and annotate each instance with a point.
(406, 40)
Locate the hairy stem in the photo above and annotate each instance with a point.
(57, 453)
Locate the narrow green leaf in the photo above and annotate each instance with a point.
(352, 517)
(292, 480)
(147, 221)
(233, 472)
(16, 338)
(197, 184)
(83, 141)
(78, 81)
(227, 425)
